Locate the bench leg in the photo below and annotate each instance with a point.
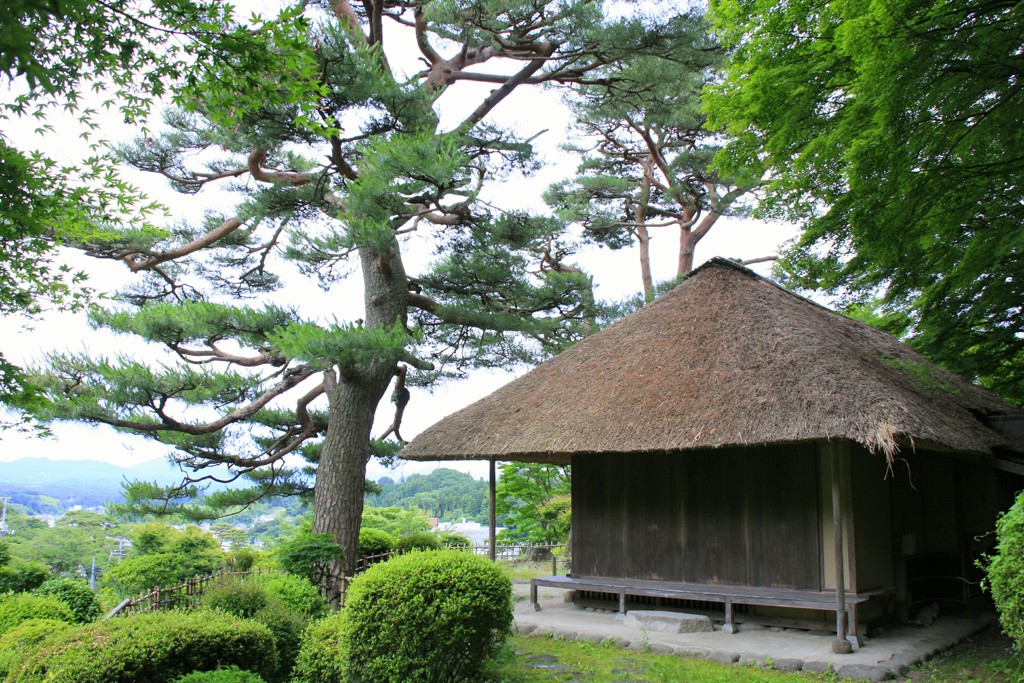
(533, 596)
(622, 602)
(851, 634)
(728, 626)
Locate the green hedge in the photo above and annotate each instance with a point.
(18, 644)
(156, 646)
(1005, 572)
(230, 675)
(18, 607)
(423, 617)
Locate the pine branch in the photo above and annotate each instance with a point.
(138, 261)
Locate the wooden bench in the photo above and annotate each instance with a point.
(728, 595)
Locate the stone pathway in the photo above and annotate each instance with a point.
(885, 656)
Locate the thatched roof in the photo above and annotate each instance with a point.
(728, 358)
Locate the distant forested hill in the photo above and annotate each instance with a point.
(446, 494)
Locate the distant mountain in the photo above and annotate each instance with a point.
(42, 471)
(38, 482)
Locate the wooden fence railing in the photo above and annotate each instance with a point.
(184, 595)
(187, 593)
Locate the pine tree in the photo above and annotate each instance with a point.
(646, 155)
(339, 160)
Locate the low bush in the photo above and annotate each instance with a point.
(286, 627)
(18, 607)
(322, 654)
(154, 646)
(73, 593)
(229, 675)
(418, 540)
(21, 641)
(296, 592)
(248, 598)
(446, 612)
(375, 542)
(1005, 572)
(450, 539)
(236, 596)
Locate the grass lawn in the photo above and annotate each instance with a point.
(986, 658)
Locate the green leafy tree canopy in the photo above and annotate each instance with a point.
(891, 132)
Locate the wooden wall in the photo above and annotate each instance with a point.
(735, 516)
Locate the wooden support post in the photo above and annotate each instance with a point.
(728, 626)
(492, 515)
(840, 645)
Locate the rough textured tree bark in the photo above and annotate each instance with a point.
(353, 394)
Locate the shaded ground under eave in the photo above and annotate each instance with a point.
(884, 656)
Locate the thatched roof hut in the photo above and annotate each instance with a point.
(728, 358)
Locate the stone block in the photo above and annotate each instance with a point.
(668, 622)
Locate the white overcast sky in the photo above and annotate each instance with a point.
(616, 275)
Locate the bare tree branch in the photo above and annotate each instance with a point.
(401, 400)
(255, 165)
(137, 261)
(291, 379)
(544, 52)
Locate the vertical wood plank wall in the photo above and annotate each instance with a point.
(736, 516)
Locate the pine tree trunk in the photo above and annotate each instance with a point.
(341, 473)
(353, 395)
(687, 246)
(643, 239)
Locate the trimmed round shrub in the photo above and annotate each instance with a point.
(418, 540)
(322, 655)
(75, 594)
(375, 542)
(450, 539)
(286, 627)
(20, 607)
(425, 617)
(1005, 572)
(250, 599)
(154, 646)
(236, 596)
(296, 592)
(229, 675)
(17, 644)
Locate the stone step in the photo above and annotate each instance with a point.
(668, 622)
